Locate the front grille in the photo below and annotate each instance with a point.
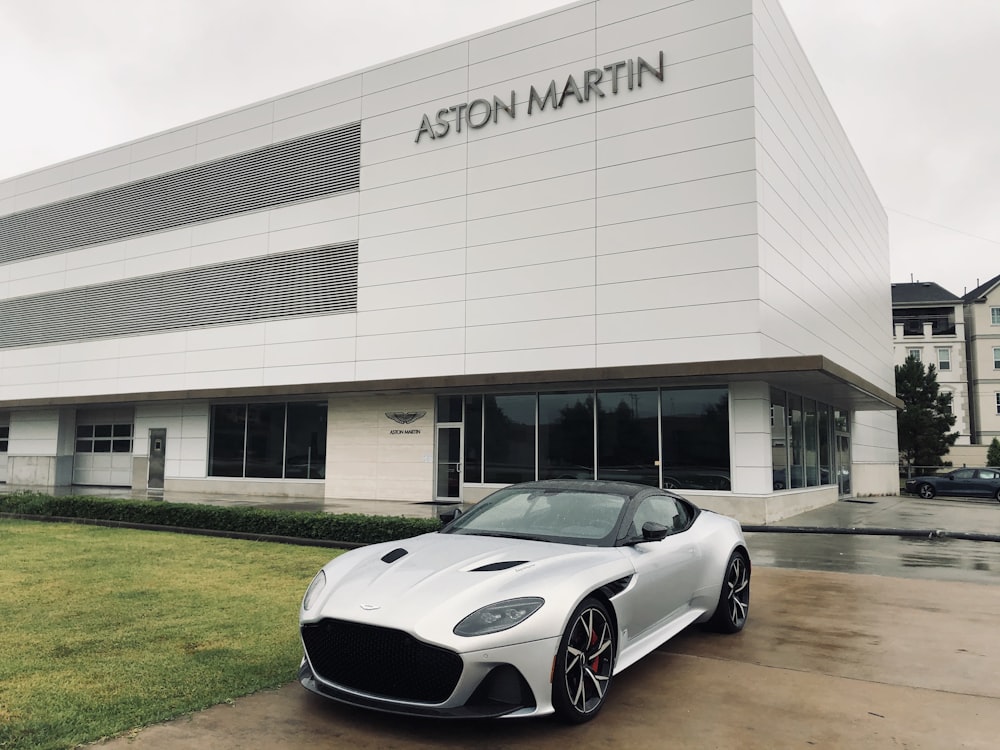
(381, 661)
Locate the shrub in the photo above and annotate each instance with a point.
(350, 528)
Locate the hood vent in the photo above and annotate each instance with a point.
(391, 557)
(493, 567)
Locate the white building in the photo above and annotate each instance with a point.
(624, 238)
(929, 325)
(982, 321)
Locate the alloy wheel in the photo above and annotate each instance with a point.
(589, 660)
(737, 591)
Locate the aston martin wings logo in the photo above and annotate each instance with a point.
(405, 417)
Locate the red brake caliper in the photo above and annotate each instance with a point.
(597, 659)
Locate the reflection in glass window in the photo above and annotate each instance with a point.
(779, 440)
(995, 315)
(944, 359)
(509, 438)
(825, 445)
(796, 443)
(996, 357)
(627, 444)
(4, 437)
(225, 458)
(473, 439)
(695, 427)
(812, 443)
(305, 450)
(268, 440)
(448, 409)
(566, 436)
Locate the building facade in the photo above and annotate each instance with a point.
(623, 239)
(982, 321)
(929, 325)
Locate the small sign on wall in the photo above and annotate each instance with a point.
(404, 419)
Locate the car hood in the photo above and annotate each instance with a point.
(427, 584)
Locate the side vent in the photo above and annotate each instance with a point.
(391, 557)
(614, 588)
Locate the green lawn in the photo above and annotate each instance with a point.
(103, 630)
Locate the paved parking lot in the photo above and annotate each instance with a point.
(828, 660)
(900, 651)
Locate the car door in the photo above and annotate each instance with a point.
(987, 482)
(960, 482)
(667, 570)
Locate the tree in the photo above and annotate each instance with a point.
(926, 417)
(993, 454)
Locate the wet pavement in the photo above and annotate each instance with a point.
(855, 640)
(827, 660)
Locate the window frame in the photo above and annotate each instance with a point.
(943, 363)
(996, 357)
(995, 316)
(914, 352)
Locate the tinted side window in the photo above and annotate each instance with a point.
(664, 510)
(963, 474)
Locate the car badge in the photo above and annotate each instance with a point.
(370, 607)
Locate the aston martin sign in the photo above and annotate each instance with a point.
(594, 83)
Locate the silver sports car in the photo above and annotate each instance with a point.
(528, 604)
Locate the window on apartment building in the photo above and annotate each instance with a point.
(995, 313)
(996, 357)
(944, 359)
(4, 437)
(998, 403)
(913, 354)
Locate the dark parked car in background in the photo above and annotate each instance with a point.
(961, 482)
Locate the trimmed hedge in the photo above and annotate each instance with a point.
(354, 528)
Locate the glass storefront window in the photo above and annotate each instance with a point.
(566, 436)
(268, 440)
(695, 428)
(305, 450)
(796, 443)
(474, 439)
(449, 409)
(779, 440)
(627, 443)
(225, 457)
(509, 438)
(825, 452)
(811, 442)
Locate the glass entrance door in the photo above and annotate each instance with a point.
(844, 464)
(449, 463)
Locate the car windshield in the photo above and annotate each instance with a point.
(552, 515)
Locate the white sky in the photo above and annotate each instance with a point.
(913, 82)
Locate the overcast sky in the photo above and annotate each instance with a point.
(914, 83)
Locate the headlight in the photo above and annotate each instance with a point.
(499, 616)
(314, 590)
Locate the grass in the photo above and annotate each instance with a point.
(103, 630)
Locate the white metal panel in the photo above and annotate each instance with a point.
(317, 97)
(527, 251)
(530, 32)
(402, 270)
(413, 68)
(497, 284)
(531, 306)
(568, 45)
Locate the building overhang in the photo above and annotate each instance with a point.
(812, 376)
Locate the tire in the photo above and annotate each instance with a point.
(734, 599)
(584, 663)
(926, 491)
(996, 495)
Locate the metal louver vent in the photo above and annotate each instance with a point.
(316, 281)
(299, 169)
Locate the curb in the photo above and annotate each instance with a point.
(300, 541)
(876, 531)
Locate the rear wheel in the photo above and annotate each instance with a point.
(584, 663)
(734, 599)
(996, 495)
(926, 491)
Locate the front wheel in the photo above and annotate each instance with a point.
(926, 491)
(734, 599)
(996, 495)
(584, 663)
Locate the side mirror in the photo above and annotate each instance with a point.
(450, 515)
(653, 532)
